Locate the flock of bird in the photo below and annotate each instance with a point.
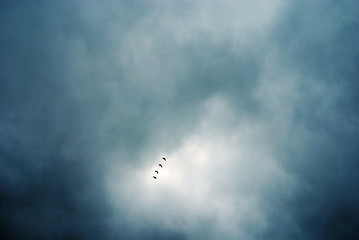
(156, 171)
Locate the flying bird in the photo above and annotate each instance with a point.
(154, 177)
(160, 165)
(164, 159)
(156, 171)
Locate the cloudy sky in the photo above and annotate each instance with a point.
(253, 103)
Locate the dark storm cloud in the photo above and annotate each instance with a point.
(254, 104)
(48, 181)
(319, 40)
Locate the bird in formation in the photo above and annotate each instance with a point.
(156, 171)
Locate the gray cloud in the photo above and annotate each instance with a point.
(254, 105)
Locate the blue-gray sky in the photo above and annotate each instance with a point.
(254, 104)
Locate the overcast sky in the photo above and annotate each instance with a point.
(255, 105)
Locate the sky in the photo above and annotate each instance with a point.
(254, 104)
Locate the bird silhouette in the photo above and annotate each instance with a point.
(160, 165)
(156, 171)
(154, 177)
(164, 159)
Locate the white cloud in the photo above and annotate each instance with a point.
(215, 177)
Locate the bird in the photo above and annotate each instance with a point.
(156, 171)
(164, 159)
(160, 165)
(154, 177)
